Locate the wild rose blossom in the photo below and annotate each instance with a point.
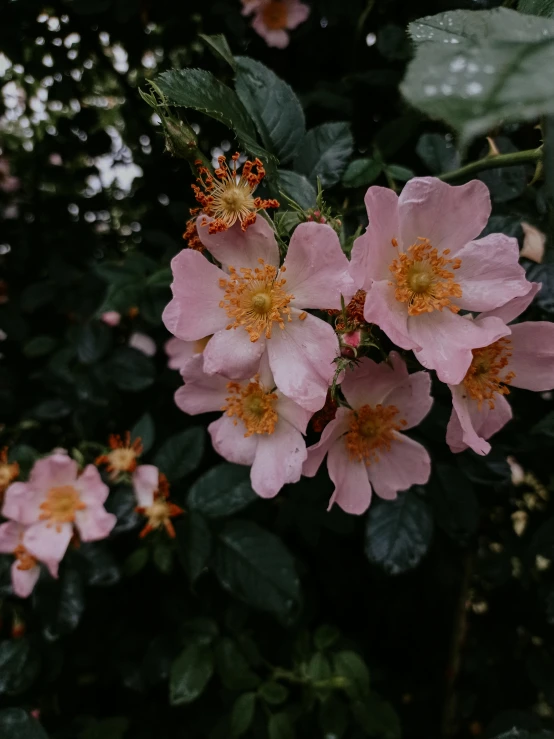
(152, 493)
(273, 18)
(419, 263)
(365, 446)
(255, 308)
(179, 352)
(54, 502)
(123, 455)
(260, 426)
(524, 359)
(25, 570)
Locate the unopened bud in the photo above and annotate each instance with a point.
(350, 343)
(180, 139)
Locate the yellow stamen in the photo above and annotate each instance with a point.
(422, 280)
(123, 455)
(371, 432)
(253, 405)
(61, 505)
(8, 470)
(485, 377)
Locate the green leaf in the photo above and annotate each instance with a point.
(232, 667)
(242, 714)
(51, 410)
(351, 666)
(362, 172)
(544, 273)
(122, 503)
(476, 69)
(223, 490)
(280, 727)
(545, 427)
(145, 431)
(195, 543)
(318, 668)
(93, 342)
(36, 295)
(273, 693)
(377, 717)
(39, 346)
(273, 106)
(324, 153)
(402, 174)
(325, 636)
(398, 533)
(255, 566)
(19, 665)
(162, 557)
(454, 503)
(61, 603)
(190, 674)
(298, 188)
(131, 370)
(437, 153)
(201, 91)
(544, 8)
(181, 454)
(109, 728)
(15, 723)
(136, 561)
(219, 46)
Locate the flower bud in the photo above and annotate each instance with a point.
(350, 343)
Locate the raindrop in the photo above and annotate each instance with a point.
(430, 90)
(474, 88)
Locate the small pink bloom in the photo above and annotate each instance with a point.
(54, 502)
(420, 264)
(111, 318)
(180, 352)
(142, 343)
(523, 359)
(8, 183)
(254, 308)
(273, 18)
(365, 447)
(260, 427)
(26, 568)
(152, 493)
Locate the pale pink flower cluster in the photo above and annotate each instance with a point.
(57, 503)
(247, 345)
(272, 19)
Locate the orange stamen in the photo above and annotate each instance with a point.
(253, 405)
(191, 236)
(25, 561)
(275, 15)
(423, 280)
(371, 432)
(485, 376)
(8, 470)
(61, 505)
(160, 513)
(123, 456)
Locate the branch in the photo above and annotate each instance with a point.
(493, 162)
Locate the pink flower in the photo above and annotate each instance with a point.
(26, 568)
(256, 308)
(54, 501)
(111, 318)
(260, 426)
(523, 359)
(420, 265)
(364, 445)
(179, 352)
(273, 18)
(142, 343)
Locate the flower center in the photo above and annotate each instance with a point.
(372, 429)
(255, 299)
(423, 280)
(229, 198)
(253, 405)
(162, 510)
(274, 15)
(485, 377)
(123, 455)
(25, 561)
(61, 505)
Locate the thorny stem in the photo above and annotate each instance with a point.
(494, 162)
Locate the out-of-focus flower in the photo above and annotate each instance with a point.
(364, 443)
(123, 455)
(229, 198)
(8, 183)
(25, 569)
(8, 470)
(152, 493)
(274, 18)
(142, 343)
(111, 318)
(179, 352)
(260, 426)
(54, 502)
(523, 359)
(420, 266)
(255, 307)
(533, 243)
(55, 159)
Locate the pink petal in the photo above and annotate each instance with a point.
(331, 433)
(230, 442)
(21, 503)
(490, 274)
(449, 216)
(194, 311)
(352, 489)
(373, 252)
(291, 412)
(53, 471)
(145, 483)
(277, 39)
(382, 308)
(239, 248)
(10, 536)
(301, 359)
(24, 581)
(297, 14)
(470, 425)
(317, 268)
(515, 307)
(201, 393)
(407, 463)
(48, 542)
(369, 383)
(231, 353)
(279, 458)
(413, 399)
(249, 6)
(179, 352)
(446, 341)
(532, 355)
(92, 490)
(142, 343)
(94, 523)
(111, 318)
